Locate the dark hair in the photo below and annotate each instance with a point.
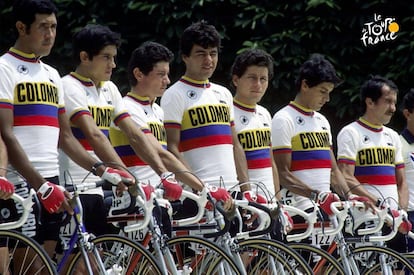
(408, 101)
(372, 88)
(252, 57)
(26, 10)
(316, 70)
(145, 57)
(92, 39)
(199, 33)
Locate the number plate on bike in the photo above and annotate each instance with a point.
(138, 235)
(323, 239)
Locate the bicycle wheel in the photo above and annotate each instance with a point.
(381, 260)
(200, 256)
(119, 255)
(318, 259)
(20, 254)
(264, 256)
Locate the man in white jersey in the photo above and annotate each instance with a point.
(369, 153)
(199, 117)
(93, 103)
(302, 141)
(33, 122)
(407, 142)
(251, 72)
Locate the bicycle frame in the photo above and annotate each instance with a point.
(80, 237)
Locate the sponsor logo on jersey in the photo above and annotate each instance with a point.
(314, 140)
(192, 94)
(254, 139)
(300, 120)
(375, 156)
(203, 115)
(102, 115)
(158, 131)
(22, 69)
(244, 120)
(36, 92)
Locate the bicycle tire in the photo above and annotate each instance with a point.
(118, 253)
(318, 259)
(25, 255)
(201, 256)
(366, 260)
(273, 256)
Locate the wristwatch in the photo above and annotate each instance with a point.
(314, 195)
(95, 166)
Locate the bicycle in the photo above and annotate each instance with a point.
(365, 259)
(106, 254)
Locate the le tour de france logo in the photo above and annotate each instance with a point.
(380, 30)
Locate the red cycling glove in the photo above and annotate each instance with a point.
(51, 196)
(288, 225)
(405, 225)
(116, 176)
(325, 199)
(6, 186)
(219, 193)
(172, 190)
(251, 196)
(148, 189)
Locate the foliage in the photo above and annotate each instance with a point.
(289, 30)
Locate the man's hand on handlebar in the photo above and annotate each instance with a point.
(122, 179)
(221, 194)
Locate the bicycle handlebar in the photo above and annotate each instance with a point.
(81, 187)
(27, 206)
(84, 186)
(201, 201)
(381, 216)
(266, 220)
(310, 219)
(148, 206)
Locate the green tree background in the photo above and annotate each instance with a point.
(289, 30)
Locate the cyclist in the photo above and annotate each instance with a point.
(33, 122)
(251, 72)
(250, 75)
(302, 141)
(369, 153)
(199, 115)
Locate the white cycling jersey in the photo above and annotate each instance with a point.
(306, 135)
(252, 124)
(376, 153)
(33, 90)
(104, 104)
(149, 117)
(203, 111)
